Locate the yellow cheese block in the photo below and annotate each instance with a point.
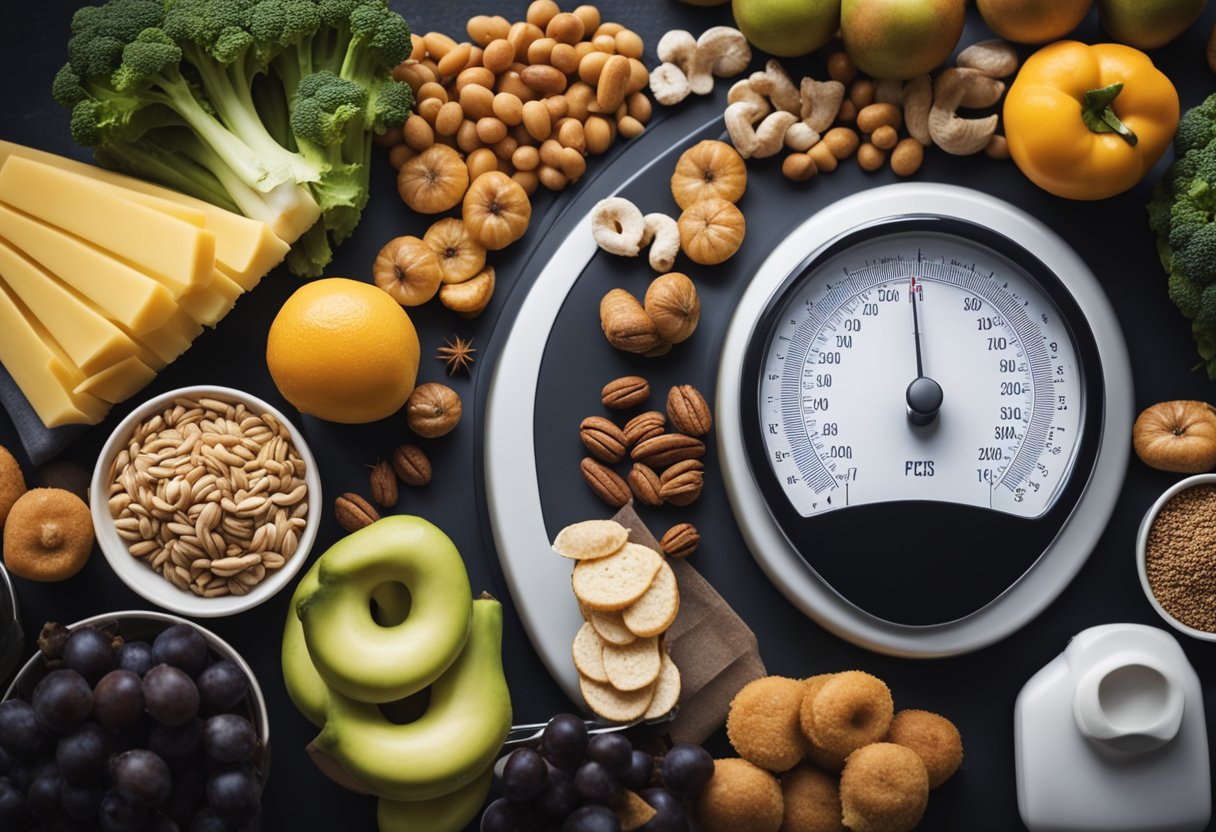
(170, 339)
(176, 253)
(46, 380)
(90, 340)
(207, 304)
(118, 382)
(245, 249)
(186, 325)
(127, 295)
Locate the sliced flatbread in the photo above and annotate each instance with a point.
(632, 812)
(635, 665)
(611, 627)
(655, 611)
(588, 653)
(612, 704)
(590, 539)
(614, 582)
(666, 690)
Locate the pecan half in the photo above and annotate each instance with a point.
(682, 489)
(384, 484)
(625, 392)
(687, 465)
(603, 439)
(688, 410)
(412, 465)
(645, 484)
(668, 449)
(681, 540)
(605, 482)
(644, 426)
(354, 512)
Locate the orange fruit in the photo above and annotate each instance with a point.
(344, 351)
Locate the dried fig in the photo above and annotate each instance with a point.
(1178, 436)
(460, 256)
(470, 298)
(708, 168)
(711, 230)
(672, 303)
(432, 410)
(496, 210)
(408, 270)
(434, 180)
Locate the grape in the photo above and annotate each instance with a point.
(592, 819)
(117, 815)
(6, 760)
(222, 685)
(141, 778)
(134, 736)
(161, 823)
(229, 738)
(641, 767)
(504, 816)
(170, 695)
(43, 799)
(136, 656)
(686, 769)
(89, 653)
(594, 784)
(524, 775)
(62, 700)
(612, 751)
(12, 805)
(118, 700)
(669, 812)
(82, 754)
(564, 741)
(183, 647)
(20, 735)
(178, 745)
(80, 802)
(234, 794)
(208, 821)
(189, 786)
(559, 797)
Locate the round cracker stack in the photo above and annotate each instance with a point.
(628, 596)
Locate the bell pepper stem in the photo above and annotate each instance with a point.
(1098, 115)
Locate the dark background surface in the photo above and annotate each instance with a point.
(977, 691)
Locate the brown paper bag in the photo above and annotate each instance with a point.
(714, 649)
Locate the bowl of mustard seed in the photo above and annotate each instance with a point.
(1176, 556)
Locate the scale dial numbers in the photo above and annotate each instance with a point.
(836, 421)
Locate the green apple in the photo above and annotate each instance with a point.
(705, 2)
(900, 38)
(1147, 24)
(787, 28)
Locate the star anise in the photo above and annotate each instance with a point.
(457, 354)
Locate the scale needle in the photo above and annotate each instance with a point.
(924, 395)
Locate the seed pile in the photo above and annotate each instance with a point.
(210, 495)
(1180, 557)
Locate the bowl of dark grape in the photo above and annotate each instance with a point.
(133, 722)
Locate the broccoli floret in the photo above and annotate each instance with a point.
(1196, 128)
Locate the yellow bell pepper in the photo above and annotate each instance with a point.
(1088, 122)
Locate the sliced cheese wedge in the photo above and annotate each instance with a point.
(118, 382)
(90, 340)
(208, 304)
(176, 253)
(169, 340)
(45, 378)
(245, 249)
(127, 295)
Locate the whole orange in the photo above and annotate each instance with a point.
(344, 351)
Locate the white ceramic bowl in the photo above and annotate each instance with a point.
(145, 625)
(1142, 545)
(136, 574)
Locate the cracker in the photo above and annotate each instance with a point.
(614, 582)
(635, 665)
(588, 653)
(666, 690)
(612, 704)
(611, 627)
(632, 812)
(655, 611)
(590, 539)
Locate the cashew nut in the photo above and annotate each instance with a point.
(742, 92)
(819, 102)
(665, 234)
(888, 91)
(726, 49)
(470, 298)
(776, 84)
(617, 226)
(981, 91)
(918, 100)
(669, 84)
(677, 47)
(957, 136)
(770, 135)
(801, 136)
(993, 58)
(739, 118)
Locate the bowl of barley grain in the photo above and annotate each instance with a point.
(206, 501)
(1176, 556)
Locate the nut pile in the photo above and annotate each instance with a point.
(666, 466)
(689, 63)
(629, 598)
(210, 495)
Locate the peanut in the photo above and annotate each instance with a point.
(510, 81)
(841, 68)
(590, 16)
(521, 36)
(429, 109)
(478, 75)
(639, 106)
(822, 156)
(476, 101)
(873, 116)
(609, 28)
(572, 163)
(870, 158)
(505, 148)
(399, 154)
(417, 46)
(524, 158)
(438, 45)
(604, 43)
(598, 134)
(484, 29)
(847, 112)
(798, 167)
(433, 89)
(450, 117)
(552, 178)
(456, 59)
(508, 108)
(997, 148)
(566, 27)
(499, 55)
(590, 67)
(418, 134)
(536, 120)
(564, 58)
(544, 79)
(482, 160)
(528, 180)
(841, 141)
(907, 156)
(629, 127)
(540, 12)
(490, 130)
(550, 153)
(884, 137)
(861, 93)
(571, 134)
(558, 107)
(466, 136)
(629, 43)
(639, 76)
(610, 93)
(540, 51)
(578, 99)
